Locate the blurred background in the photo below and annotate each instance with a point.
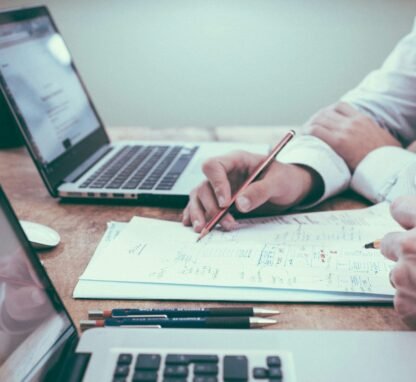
(168, 63)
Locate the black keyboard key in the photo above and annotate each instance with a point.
(145, 376)
(203, 358)
(119, 379)
(260, 373)
(235, 368)
(179, 371)
(205, 378)
(121, 371)
(124, 359)
(168, 379)
(205, 368)
(148, 362)
(275, 373)
(273, 361)
(177, 359)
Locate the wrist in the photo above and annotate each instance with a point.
(311, 185)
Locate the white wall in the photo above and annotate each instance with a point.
(224, 62)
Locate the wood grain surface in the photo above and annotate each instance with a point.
(81, 227)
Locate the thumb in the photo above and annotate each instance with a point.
(403, 210)
(254, 196)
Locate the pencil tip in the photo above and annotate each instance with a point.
(369, 245)
(202, 234)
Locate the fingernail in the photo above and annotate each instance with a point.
(221, 201)
(243, 203)
(195, 224)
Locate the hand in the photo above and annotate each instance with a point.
(350, 133)
(401, 247)
(24, 301)
(283, 186)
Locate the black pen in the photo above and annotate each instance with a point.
(179, 312)
(180, 322)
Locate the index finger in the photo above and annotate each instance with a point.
(217, 170)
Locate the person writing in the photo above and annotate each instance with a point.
(360, 142)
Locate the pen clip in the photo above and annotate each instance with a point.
(144, 316)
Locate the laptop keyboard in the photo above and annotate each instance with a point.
(197, 368)
(142, 168)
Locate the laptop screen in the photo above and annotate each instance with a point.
(32, 319)
(42, 86)
(47, 92)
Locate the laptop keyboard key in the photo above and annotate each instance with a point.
(148, 362)
(203, 358)
(235, 368)
(260, 373)
(121, 371)
(145, 376)
(275, 373)
(273, 361)
(205, 378)
(124, 359)
(177, 359)
(205, 368)
(176, 371)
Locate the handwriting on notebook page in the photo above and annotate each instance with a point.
(265, 255)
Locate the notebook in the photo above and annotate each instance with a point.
(39, 341)
(65, 135)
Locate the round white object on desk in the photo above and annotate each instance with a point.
(39, 235)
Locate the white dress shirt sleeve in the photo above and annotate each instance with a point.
(389, 93)
(311, 152)
(389, 96)
(385, 174)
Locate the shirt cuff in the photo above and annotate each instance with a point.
(311, 152)
(377, 174)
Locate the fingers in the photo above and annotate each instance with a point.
(405, 306)
(217, 170)
(346, 109)
(202, 207)
(389, 245)
(403, 210)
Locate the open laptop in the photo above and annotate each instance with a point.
(65, 135)
(38, 340)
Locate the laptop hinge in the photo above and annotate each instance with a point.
(78, 367)
(88, 163)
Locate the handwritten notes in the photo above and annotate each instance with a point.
(316, 251)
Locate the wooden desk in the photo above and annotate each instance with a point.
(81, 227)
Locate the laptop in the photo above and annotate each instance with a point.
(39, 342)
(65, 135)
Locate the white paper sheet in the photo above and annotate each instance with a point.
(235, 261)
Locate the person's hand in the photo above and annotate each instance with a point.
(283, 186)
(24, 301)
(401, 247)
(350, 133)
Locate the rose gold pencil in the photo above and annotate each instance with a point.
(257, 173)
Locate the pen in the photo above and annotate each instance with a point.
(180, 322)
(374, 244)
(253, 177)
(178, 312)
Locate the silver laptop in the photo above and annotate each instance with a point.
(38, 340)
(65, 135)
